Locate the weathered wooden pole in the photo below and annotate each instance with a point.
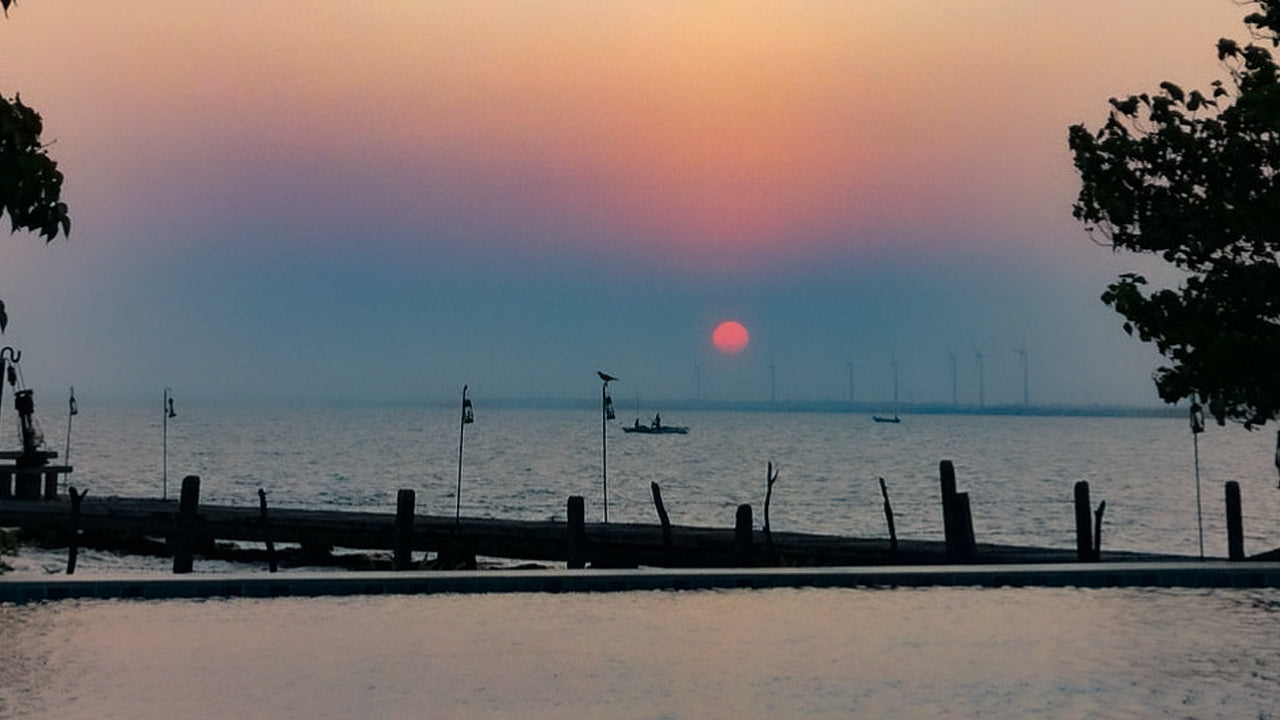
(1235, 522)
(1084, 531)
(1097, 530)
(662, 514)
(402, 553)
(888, 516)
(966, 544)
(272, 565)
(742, 530)
(947, 476)
(73, 543)
(184, 532)
(770, 477)
(577, 514)
(957, 520)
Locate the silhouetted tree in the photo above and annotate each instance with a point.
(30, 182)
(1192, 178)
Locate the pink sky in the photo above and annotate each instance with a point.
(723, 141)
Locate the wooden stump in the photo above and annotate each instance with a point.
(577, 535)
(957, 520)
(183, 537)
(403, 551)
(272, 564)
(662, 514)
(1084, 531)
(73, 543)
(888, 516)
(742, 531)
(1235, 522)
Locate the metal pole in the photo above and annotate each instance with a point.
(1195, 444)
(462, 429)
(166, 412)
(1196, 417)
(164, 465)
(71, 411)
(604, 446)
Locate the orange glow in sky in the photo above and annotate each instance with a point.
(693, 135)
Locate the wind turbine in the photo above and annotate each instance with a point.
(773, 386)
(952, 356)
(849, 367)
(982, 402)
(893, 364)
(1022, 357)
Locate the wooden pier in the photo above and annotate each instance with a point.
(184, 529)
(109, 522)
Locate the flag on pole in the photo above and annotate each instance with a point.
(72, 402)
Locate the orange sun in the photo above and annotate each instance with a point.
(730, 337)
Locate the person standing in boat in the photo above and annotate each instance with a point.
(657, 421)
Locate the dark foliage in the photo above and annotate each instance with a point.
(1191, 177)
(30, 182)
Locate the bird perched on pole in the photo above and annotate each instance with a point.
(606, 376)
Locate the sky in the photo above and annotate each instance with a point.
(313, 202)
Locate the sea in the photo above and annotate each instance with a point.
(935, 652)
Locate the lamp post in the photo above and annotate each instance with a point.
(1197, 427)
(606, 414)
(72, 411)
(468, 417)
(8, 359)
(166, 412)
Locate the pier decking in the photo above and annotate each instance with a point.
(104, 521)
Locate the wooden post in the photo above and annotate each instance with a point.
(73, 543)
(966, 547)
(188, 513)
(402, 552)
(272, 565)
(1235, 522)
(577, 513)
(1084, 532)
(888, 516)
(770, 477)
(742, 530)
(662, 514)
(1097, 530)
(957, 521)
(947, 473)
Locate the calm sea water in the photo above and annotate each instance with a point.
(927, 653)
(517, 463)
(919, 653)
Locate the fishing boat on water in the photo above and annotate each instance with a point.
(883, 419)
(655, 427)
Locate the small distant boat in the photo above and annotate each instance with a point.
(655, 428)
(881, 418)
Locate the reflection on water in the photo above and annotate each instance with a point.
(779, 653)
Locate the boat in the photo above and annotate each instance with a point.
(655, 428)
(664, 430)
(883, 419)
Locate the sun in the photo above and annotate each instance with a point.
(730, 337)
